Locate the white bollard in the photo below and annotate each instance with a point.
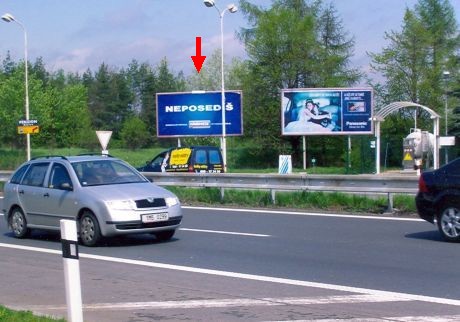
(69, 242)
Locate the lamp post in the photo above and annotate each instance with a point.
(10, 18)
(445, 75)
(232, 9)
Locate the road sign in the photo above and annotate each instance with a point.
(104, 138)
(27, 122)
(28, 129)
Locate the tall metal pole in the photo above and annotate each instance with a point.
(232, 9)
(9, 18)
(446, 76)
(224, 139)
(27, 86)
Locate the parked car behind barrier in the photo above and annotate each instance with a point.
(203, 159)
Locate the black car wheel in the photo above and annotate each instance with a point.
(90, 233)
(18, 223)
(165, 235)
(449, 222)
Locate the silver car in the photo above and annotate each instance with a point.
(105, 195)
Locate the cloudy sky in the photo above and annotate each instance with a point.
(79, 34)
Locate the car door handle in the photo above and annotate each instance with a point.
(21, 192)
(46, 195)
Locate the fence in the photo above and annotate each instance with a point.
(363, 184)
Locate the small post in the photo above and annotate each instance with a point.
(222, 194)
(390, 203)
(69, 243)
(273, 196)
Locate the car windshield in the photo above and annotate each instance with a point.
(105, 172)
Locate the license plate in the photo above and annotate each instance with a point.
(155, 217)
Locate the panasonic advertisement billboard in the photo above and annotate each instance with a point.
(327, 111)
(198, 114)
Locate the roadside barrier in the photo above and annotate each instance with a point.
(368, 184)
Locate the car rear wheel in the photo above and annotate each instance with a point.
(449, 222)
(165, 235)
(18, 223)
(90, 233)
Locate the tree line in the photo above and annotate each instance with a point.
(290, 44)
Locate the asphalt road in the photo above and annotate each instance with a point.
(236, 265)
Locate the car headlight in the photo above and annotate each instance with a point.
(121, 204)
(171, 201)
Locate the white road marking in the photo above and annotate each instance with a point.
(299, 213)
(439, 318)
(224, 232)
(223, 303)
(385, 294)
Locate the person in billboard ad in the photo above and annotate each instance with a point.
(306, 113)
(326, 111)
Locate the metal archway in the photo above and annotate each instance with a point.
(382, 113)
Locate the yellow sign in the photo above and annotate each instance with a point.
(407, 157)
(180, 156)
(28, 129)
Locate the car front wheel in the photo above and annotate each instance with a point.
(90, 233)
(18, 223)
(165, 235)
(449, 222)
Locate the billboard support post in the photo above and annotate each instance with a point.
(304, 152)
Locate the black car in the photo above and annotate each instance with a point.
(201, 159)
(438, 199)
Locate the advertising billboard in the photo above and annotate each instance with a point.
(198, 114)
(326, 111)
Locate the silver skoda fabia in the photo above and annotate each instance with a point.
(105, 195)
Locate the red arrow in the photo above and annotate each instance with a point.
(198, 60)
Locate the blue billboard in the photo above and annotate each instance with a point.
(198, 114)
(322, 111)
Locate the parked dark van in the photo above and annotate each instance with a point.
(204, 159)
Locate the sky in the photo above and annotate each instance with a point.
(75, 35)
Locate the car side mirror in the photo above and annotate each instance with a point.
(66, 186)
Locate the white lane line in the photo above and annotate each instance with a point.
(299, 213)
(224, 232)
(224, 303)
(260, 278)
(439, 318)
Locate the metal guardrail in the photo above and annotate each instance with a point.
(364, 184)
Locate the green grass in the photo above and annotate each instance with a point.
(323, 201)
(12, 158)
(7, 315)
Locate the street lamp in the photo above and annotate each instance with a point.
(10, 18)
(445, 75)
(232, 9)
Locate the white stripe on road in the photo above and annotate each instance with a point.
(223, 232)
(260, 278)
(439, 318)
(299, 213)
(224, 303)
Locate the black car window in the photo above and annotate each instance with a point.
(35, 174)
(200, 157)
(158, 159)
(214, 157)
(59, 175)
(17, 176)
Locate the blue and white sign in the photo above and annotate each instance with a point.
(322, 111)
(198, 114)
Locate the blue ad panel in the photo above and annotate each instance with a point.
(333, 111)
(198, 114)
